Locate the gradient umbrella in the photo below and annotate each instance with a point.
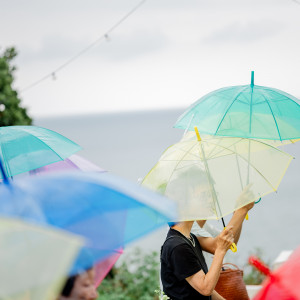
(78, 163)
(24, 148)
(283, 283)
(107, 211)
(35, 260)
(248, 111)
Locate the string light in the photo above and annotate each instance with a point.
(72, 59)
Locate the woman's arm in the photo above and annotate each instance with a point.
(238, 219)
(209, 244)
(216, 296)
(205, 283)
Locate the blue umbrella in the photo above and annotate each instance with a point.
(107, 211)
(24, 148)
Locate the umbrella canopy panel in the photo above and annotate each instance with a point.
(74, 162)
(34, 260)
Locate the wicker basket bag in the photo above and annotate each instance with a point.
(231, 285)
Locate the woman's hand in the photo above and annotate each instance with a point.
(225, 239)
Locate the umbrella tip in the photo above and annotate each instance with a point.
(259, 265)
(252, 78)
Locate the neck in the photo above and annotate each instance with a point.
(184, 227)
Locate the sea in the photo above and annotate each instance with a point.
(129, 144)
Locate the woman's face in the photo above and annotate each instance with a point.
(84, 287)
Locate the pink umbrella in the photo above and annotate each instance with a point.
(103, 267)
(282, 284)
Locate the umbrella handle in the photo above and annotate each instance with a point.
(247, 216)
(233, 247)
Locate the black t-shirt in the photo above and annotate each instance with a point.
(179, 260)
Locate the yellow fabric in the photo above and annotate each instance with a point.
(207, 177)
(34, 260)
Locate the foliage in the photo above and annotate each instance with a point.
(11, 113)
(251, 274)
(136, 278)
(161, 294)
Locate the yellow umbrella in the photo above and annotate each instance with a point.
(206, 177)
(34, 260)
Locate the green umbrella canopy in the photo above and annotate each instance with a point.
(248, 111)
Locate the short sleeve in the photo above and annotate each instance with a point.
(184, 261)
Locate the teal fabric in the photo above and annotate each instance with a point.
(24, 148)
(248, 111)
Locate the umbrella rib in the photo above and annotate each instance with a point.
(249, 161)
(228, 149)
(3, 155)
(254, 169)
(187, 152)
(235, 98)
(269, 105)
(281, 93)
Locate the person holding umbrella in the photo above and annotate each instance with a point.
(184, 273)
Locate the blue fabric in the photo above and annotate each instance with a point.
(107, 211)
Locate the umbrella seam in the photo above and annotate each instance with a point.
(235, 98)
(269, 105)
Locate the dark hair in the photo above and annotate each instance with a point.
(67, 289)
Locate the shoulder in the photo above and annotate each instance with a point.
(177, 246)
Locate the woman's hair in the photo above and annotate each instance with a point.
(67, 289)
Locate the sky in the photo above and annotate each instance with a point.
(167, 54)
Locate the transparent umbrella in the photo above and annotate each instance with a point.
(35, 260)
(24, 148)
(248, 111)
(206, 177)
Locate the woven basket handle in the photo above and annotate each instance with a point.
(230, 264)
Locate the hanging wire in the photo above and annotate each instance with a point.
(105, 36)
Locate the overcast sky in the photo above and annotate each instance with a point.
(167, 54)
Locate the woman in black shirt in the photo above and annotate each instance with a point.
(184, 273)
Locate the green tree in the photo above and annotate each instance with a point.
(11, 113)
